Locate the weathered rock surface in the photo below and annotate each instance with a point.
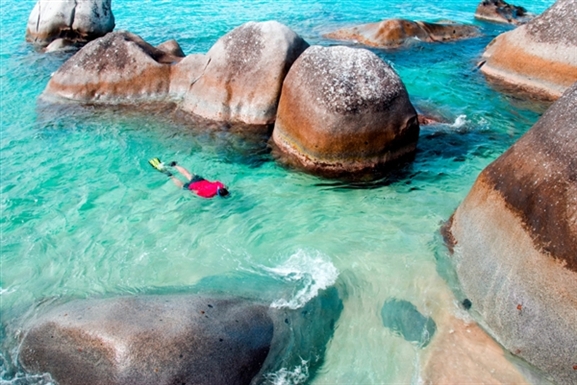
(237, 81)
(538, 58)
(150, 340)
(119, 67)
(499, 11)
(515, 244)
(343, 110)
(77, 21)
(395, 33)
(244, 75)
(199, 335)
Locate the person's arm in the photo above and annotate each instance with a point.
(177, 181)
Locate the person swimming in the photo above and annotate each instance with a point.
(196, 184)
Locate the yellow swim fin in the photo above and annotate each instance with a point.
(158, 165)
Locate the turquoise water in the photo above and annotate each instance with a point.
(83, 214)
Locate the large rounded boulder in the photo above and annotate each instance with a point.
(539, 58)
(515, 244)
(243, 78)
(175, 339)
(344, 111)
(196, 335)
(77, 21)
(117, 68)
(394, 33)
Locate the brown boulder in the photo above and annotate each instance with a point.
(117, 68)
(76, 21)
(343, 110)
(244, 74)
(538, 58)
(515, 244)
(499, 11)
(394, 33)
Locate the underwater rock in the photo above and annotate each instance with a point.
(150, 340)
(244, 75)
(77, 21)
(462, 353)
(61, 44)
(538, 59)
(499, 11)
(394, 33)
(515, 243)
(403, 318)
(117, 68)
(343, 111)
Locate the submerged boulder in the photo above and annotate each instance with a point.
(76, 21)
(395, 33)
(499, 11)
(462, 353)
(538, 58)
(404, 319)
(515, 244)
(343, 110)
(119, 67)
(244, 74)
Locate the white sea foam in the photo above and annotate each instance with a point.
(298, 375)
(311, 271)
(7, 291)
(460, 121)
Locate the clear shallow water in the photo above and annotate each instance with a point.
(83, 214)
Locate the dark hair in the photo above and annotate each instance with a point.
(222, 191)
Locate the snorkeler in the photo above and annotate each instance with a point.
(196, 184)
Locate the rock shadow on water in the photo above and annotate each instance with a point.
(233, 143)
(403, 319)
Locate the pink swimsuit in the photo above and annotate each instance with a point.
(205, 188)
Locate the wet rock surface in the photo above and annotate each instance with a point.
(75, 21)
(515, 244)
(538, 59)
(394, 33)
(344, 111)
(499, 11)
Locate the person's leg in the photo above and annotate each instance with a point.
(177, 181)
(183, 171)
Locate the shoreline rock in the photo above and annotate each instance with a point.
(538, 58)
(394, 33)
(515, 244)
